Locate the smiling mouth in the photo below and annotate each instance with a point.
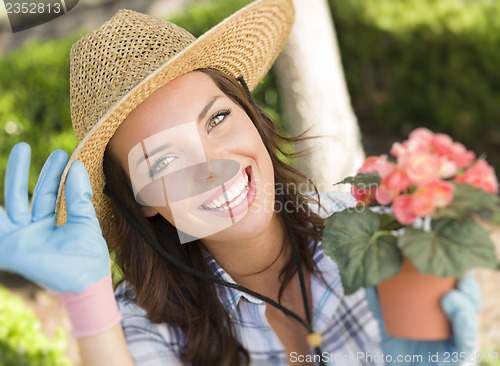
(232, 196)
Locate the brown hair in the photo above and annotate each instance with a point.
(168, 293)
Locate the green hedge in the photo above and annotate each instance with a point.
(21, 341)
(34, 102)
(432, 63)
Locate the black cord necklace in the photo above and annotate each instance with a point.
(313, 339)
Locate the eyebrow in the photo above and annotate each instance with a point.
(152, 152)
(207, 107)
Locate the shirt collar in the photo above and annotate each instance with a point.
(230, 297)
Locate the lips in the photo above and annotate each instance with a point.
(232, 194)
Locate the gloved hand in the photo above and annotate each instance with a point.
(460, 305)
(69, 258)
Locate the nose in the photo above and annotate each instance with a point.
(209, 176)
(218, 171)
(214, 154)
(219, 167)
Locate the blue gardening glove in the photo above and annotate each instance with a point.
(67, 258)
(461, 306)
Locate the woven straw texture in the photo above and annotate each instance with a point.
(116, 67)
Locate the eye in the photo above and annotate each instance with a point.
(217, 118)
(161, 163)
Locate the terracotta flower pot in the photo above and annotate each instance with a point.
(411, 304)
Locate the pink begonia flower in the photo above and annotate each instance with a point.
(363, 196)
(372, 164)
(422, 135)
(421, 167)
(461, 156)
(423, 203)
(391, 186)
(428, 197)
(480, 175)
(442, 144)
(377, 164)
(402, 209)
(443, 192)
(419, 141)
(414, 146)
(397, 149)
(448, 168)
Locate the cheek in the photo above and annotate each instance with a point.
(257, 151)
(248, 141)
(262, 156)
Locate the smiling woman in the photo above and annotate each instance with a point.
(177, 172)
(250, 246)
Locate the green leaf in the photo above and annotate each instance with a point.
(361, 179)
(450, 249)
(466, 200)
(364, 254)
(389, 222)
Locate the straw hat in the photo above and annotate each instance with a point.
(116, 67)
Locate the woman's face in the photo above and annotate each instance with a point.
(195, 157)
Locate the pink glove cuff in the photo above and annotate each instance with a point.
(93, 310)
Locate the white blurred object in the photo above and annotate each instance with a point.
(314, 94)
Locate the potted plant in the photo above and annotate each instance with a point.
(414, 229)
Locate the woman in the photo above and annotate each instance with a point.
(221, 255)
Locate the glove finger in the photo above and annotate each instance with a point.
(463, 318)
(16, 184)
(78, 191)
(45, 194)
(469, 287)
(5, 224)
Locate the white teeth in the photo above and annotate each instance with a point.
(243, 182)
(238, 200)
(230, 195)
(235, 191)
(238, 189)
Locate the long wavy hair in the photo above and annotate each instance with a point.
(169, 294)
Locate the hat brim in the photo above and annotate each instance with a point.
(244, 44)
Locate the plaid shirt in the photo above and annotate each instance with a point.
(349, 331)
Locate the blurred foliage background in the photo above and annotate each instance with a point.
(21, 341)
(431, 63)
(408, 63)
